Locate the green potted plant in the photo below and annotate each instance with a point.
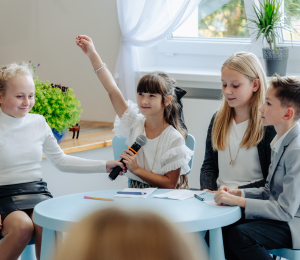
(58, 105)
(269, 23)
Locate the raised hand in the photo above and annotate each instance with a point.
(85, 43)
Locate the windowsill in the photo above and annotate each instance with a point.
(189, 76)
(192, 77)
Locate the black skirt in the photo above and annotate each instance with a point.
(22, 196)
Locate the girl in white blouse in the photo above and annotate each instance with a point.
(165, 156)
(24, 138)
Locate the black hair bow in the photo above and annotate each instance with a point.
(179, 94)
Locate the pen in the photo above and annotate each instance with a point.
(96, 198)
(199, 198)
(131, 192)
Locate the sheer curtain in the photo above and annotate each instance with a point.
(143, 24)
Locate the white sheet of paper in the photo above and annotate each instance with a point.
(179, 194)
(147, 190)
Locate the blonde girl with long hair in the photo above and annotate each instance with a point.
(115, 234)
(238, 146)
(163, 161)
(24, 138)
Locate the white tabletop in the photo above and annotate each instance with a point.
(192, 214)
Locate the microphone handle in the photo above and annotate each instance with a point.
(115, 172)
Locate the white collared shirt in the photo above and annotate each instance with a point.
(276, 142)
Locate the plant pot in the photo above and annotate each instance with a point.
(276, 62)
(59, 137)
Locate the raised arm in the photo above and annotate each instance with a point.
(107, 80)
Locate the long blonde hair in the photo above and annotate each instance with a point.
(158, 82)
(115, 234)
(249, 65)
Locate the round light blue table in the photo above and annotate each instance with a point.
(191, 215)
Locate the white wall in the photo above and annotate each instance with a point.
(197, 115)
(44, 32)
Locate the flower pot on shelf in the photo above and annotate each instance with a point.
(59, 136)
(276, 61)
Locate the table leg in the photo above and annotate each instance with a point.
(48, 244)
(216, 248)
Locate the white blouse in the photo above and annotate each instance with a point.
(22, 144)
(247, 168)
(171, 151)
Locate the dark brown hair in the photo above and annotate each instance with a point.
(288, 92)
(159, 82)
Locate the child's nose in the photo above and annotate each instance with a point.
(26, 102)
(227, 90)
(261, 108)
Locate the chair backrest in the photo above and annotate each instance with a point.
(191, 143)
(286, 253)
(119, 146)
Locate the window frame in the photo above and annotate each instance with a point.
(220, 46)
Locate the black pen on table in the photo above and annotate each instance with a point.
(198, 197)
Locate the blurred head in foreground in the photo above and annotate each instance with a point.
(114, 234)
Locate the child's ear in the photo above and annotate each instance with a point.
(256, 84)
(289, 113)
(168, 100)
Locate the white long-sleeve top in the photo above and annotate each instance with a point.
(22, 144)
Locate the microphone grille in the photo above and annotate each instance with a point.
(141, 140)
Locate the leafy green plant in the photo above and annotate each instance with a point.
(57, 104)
(270, 21)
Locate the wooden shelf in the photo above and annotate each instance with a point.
(92, 135)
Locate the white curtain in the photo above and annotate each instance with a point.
(143, 24)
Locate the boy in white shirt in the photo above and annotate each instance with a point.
(272, 212)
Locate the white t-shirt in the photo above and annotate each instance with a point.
(247, 168)
(22, 144)
(172, 153)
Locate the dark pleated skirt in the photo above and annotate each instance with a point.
(22, 196)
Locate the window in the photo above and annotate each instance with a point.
(221, 18)
(292, 11)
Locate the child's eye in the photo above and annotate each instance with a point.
(236, 86)
(140, 94)
(224, 86)
(19, 96)
(152, 95)
(268, 103)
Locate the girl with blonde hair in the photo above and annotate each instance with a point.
(238, 151)
(114, 234)
(24, 138)
(163, 161)
(238, 146)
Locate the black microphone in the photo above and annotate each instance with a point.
(140, 141)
